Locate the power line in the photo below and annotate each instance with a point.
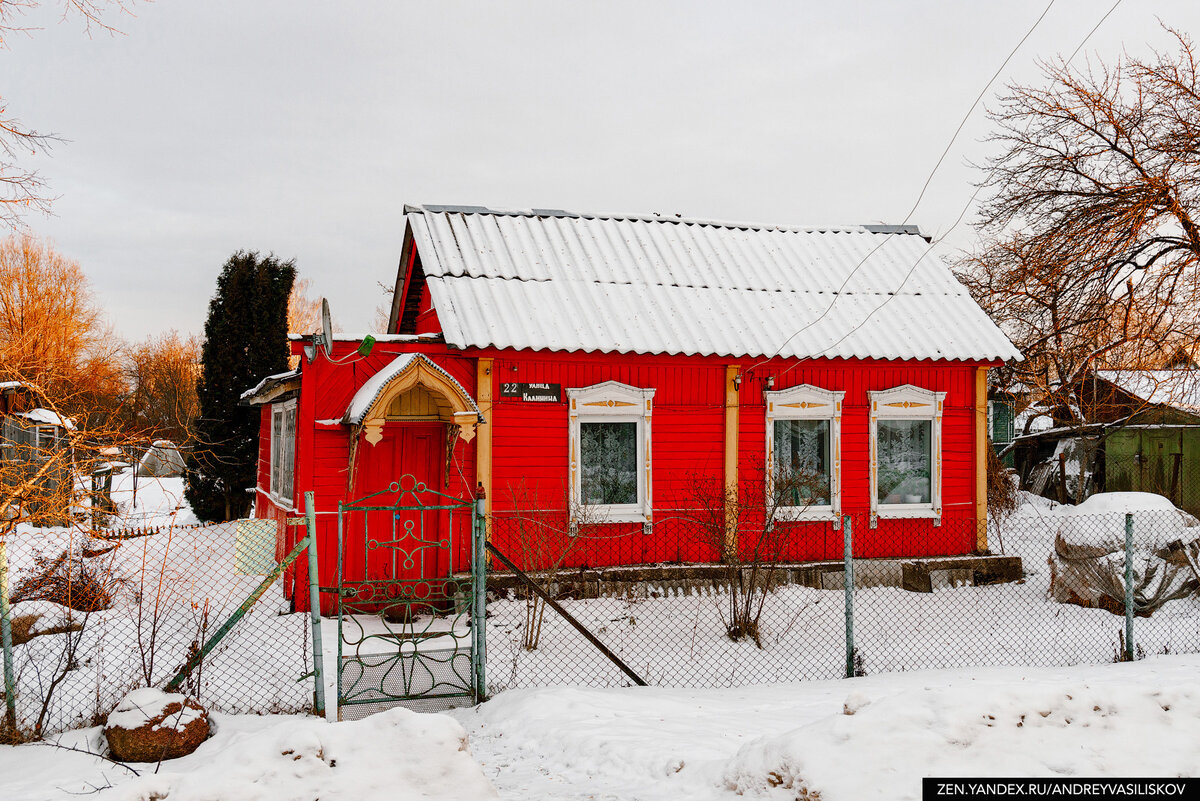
(920, 197)
(961, 215)
(1095, 27)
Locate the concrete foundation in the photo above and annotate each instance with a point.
(656, 581)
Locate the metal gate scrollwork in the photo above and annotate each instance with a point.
(410, 628)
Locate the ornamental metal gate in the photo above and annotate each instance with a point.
(410, 612)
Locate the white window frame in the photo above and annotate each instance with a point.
(612, 402)
(908, 402)
(806, 402)
(283, 454)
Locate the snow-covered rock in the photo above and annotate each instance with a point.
(150, 725)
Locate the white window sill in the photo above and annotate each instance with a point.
(794, 514)
(614, 514)
(901, 511)
(283, 503)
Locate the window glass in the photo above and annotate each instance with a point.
(288, 457)
(276, 449)
(608, 463)
(283, 450)
(802, 461)
(904, 461)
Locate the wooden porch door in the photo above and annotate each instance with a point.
(410, 453)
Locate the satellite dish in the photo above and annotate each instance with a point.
(323, 339)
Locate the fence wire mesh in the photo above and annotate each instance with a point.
(96, 614)
(1044, 587)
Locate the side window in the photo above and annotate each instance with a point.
(906, 452)
(283, 450)
(804, 455)
(609, 451)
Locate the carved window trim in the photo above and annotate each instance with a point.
(613, 402)
(908, 402)
(808, 402)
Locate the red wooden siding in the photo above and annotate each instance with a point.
(530, 449)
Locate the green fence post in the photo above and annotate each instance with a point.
(314, 601)
(479, 605)
(341, 551)
(10, 684)
(1128, 587)
(848, 572)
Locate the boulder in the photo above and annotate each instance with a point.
(150, 725)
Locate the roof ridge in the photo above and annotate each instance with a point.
(870, 228)
(570, 279)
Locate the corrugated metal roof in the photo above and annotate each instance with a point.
(550, 280)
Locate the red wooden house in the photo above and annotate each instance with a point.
(604, 367)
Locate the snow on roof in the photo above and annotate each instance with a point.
(47, 417)
(343, 337)
(12, 385)
(269, 380)
(369, 392)
(1179, 389)
(543, 279)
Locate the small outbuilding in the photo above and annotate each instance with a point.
(31, 435)
(1141, 433)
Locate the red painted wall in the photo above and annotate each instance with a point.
(529, 465)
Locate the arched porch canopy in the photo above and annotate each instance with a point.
(369, 406)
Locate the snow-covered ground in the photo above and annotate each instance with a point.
(169, 590)
(392, 755)
(148, 501)
(848, 740)
(1127, 720)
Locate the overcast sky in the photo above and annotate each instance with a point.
(302, 128)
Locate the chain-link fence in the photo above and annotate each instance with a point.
(684, 602)
(1044, 587)
(94, 615)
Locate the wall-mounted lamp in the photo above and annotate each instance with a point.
(770, 382)
(737, 382)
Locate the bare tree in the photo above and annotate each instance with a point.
(546, 532)
(162, 373)
(1090, 240)
(21, 188)
(53, 332)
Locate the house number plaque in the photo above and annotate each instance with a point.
(534, 393)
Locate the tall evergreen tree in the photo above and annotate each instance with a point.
(245, 339)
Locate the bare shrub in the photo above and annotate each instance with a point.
(70, 579)
(545, 535)
(746, 526)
